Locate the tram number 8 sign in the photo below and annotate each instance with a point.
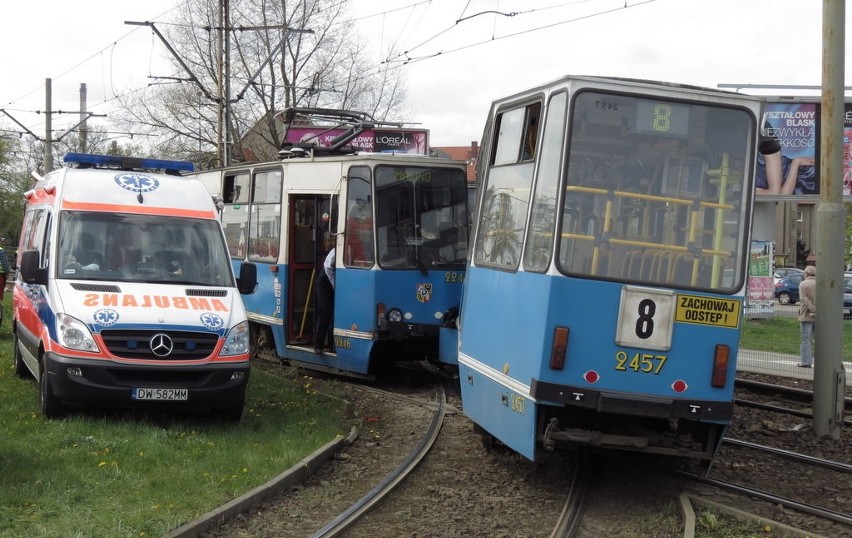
(645, 318)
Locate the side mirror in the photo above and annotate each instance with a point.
(31, 273)
(247, 281)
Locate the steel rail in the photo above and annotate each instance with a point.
(368, 501)
(804, 458)
(569, 520)
(798, 394)
(785, 502)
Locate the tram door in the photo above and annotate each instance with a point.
(308, 239)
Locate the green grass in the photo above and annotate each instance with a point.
(782, 335)
(139, 474)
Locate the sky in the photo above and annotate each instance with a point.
(457, 55)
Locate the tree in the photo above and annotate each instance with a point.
(17, 157)
(282, 54)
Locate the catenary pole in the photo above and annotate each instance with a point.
(829, 377)
(48, 127)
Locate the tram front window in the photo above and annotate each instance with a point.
(421, 217)
(654, 192)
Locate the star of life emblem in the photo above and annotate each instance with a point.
(105, 317)
(138, 183)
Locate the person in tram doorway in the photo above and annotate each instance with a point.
(807, 316)
(325, 303)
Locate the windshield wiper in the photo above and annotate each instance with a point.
(410, 250)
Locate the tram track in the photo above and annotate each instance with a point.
(781, 397)
(457, 487)
(842, 516)
(771, 453)
(354, 513)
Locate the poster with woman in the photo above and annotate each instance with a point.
(787, 156)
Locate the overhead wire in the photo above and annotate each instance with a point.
(397, 61)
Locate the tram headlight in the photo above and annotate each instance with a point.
(394, 315)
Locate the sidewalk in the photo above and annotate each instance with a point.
(764, 362)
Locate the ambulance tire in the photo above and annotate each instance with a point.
(233, 413)
(51, 407)
(21, 369)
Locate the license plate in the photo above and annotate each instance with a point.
(160, 394)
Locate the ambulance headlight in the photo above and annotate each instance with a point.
(237, 341)
(74, 334)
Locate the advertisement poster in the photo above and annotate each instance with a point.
(412, 141)
(787, 156)
(760, 297)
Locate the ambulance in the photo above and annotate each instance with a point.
(125, 296)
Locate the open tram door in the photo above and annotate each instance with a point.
(311, 234)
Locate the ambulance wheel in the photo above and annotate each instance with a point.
(21, 369)
(51, 407)
(233, 413)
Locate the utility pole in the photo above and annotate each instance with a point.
(48, 127)
(829, 375)
(226, 30)
(224, 138)
(84, 128)
(220, 109)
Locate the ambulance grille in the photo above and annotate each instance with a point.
(136, 344)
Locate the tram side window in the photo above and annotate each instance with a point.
(358, 236)
(539, 249)
(235, 214)
(506, 190)
(517, 135)
(265, 222)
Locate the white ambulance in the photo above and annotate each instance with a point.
(125, 295)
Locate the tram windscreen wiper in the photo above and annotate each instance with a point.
(410, 250)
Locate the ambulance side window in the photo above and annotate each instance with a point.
(35, 233)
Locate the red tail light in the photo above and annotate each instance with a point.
(560, 348)
(380, 314)
(720, 366)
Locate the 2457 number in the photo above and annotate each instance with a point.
(640, 362)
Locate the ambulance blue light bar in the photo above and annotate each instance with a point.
(127, 163)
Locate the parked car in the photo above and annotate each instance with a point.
(787, 289)
(781, 272)
(847, 296)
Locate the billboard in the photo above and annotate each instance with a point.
(414, 141)
(788, 156)
(760, 297)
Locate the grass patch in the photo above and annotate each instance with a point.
(103, 473)
(782, 335)
(710, 523)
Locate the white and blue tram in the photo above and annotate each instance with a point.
(603, 296)
(399, 223)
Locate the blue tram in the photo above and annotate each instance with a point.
(398, 220)
(603, 296)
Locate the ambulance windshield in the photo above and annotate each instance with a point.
(142, 248)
